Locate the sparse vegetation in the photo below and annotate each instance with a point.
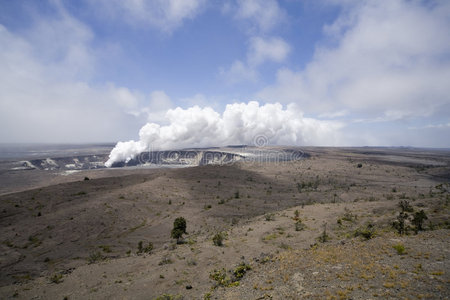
(403, 220)
(360, 256)
(367, 232)
(269, 217)
(347, 217)
(324, 237)
(56, 278)
(191, 262)
(169, 297)
(222, 278)
(240, 270)
(146, 249)
(105, 248)
(96, 257)
(165, 260)
(307, 186)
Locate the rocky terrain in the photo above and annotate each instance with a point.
(318, 226)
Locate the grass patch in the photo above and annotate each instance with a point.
(56, 278)
(96, 257)
(270, 237)
(400, 249)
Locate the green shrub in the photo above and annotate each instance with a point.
(367, 232)
(299, 226)
(218, 239)
(95, 257)
(400, 224)
(348, 216)
(142, 249)
(240, 270)
(269, 217)
(105, 248)
(418, 219)
(223, 279)
(324, 237)
(56, 278)
(400, 249)
(220, 276)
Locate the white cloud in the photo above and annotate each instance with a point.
(271, 49)
(166, 15)
(239, 72)
(260, 17)
(264, 15)
(240, 123)
(260, 51)
(125, 98)
(390, 61)
(44, 94)
(432, 126)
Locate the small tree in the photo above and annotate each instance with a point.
(400, 223)
(179, 228)
(419, 217)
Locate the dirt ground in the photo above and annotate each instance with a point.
(316, 228)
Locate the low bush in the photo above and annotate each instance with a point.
(405, 206)
(324, 237)
(56, 278)
(367, 232)
(400, 249)
(218, 239)
(240, 270)
(146, 249)
(299, 226)
(269, 217)
(95, 257)
(418, 219)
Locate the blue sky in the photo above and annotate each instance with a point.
(346, 73)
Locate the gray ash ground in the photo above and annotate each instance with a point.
(64, 236)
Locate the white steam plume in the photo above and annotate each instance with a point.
(240, 123)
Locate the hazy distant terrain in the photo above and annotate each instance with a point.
(302, 222)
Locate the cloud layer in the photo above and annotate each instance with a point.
(241, 123)
(382, 60)
(45, 94)
(165, 15)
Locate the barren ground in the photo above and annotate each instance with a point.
(65, 237)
